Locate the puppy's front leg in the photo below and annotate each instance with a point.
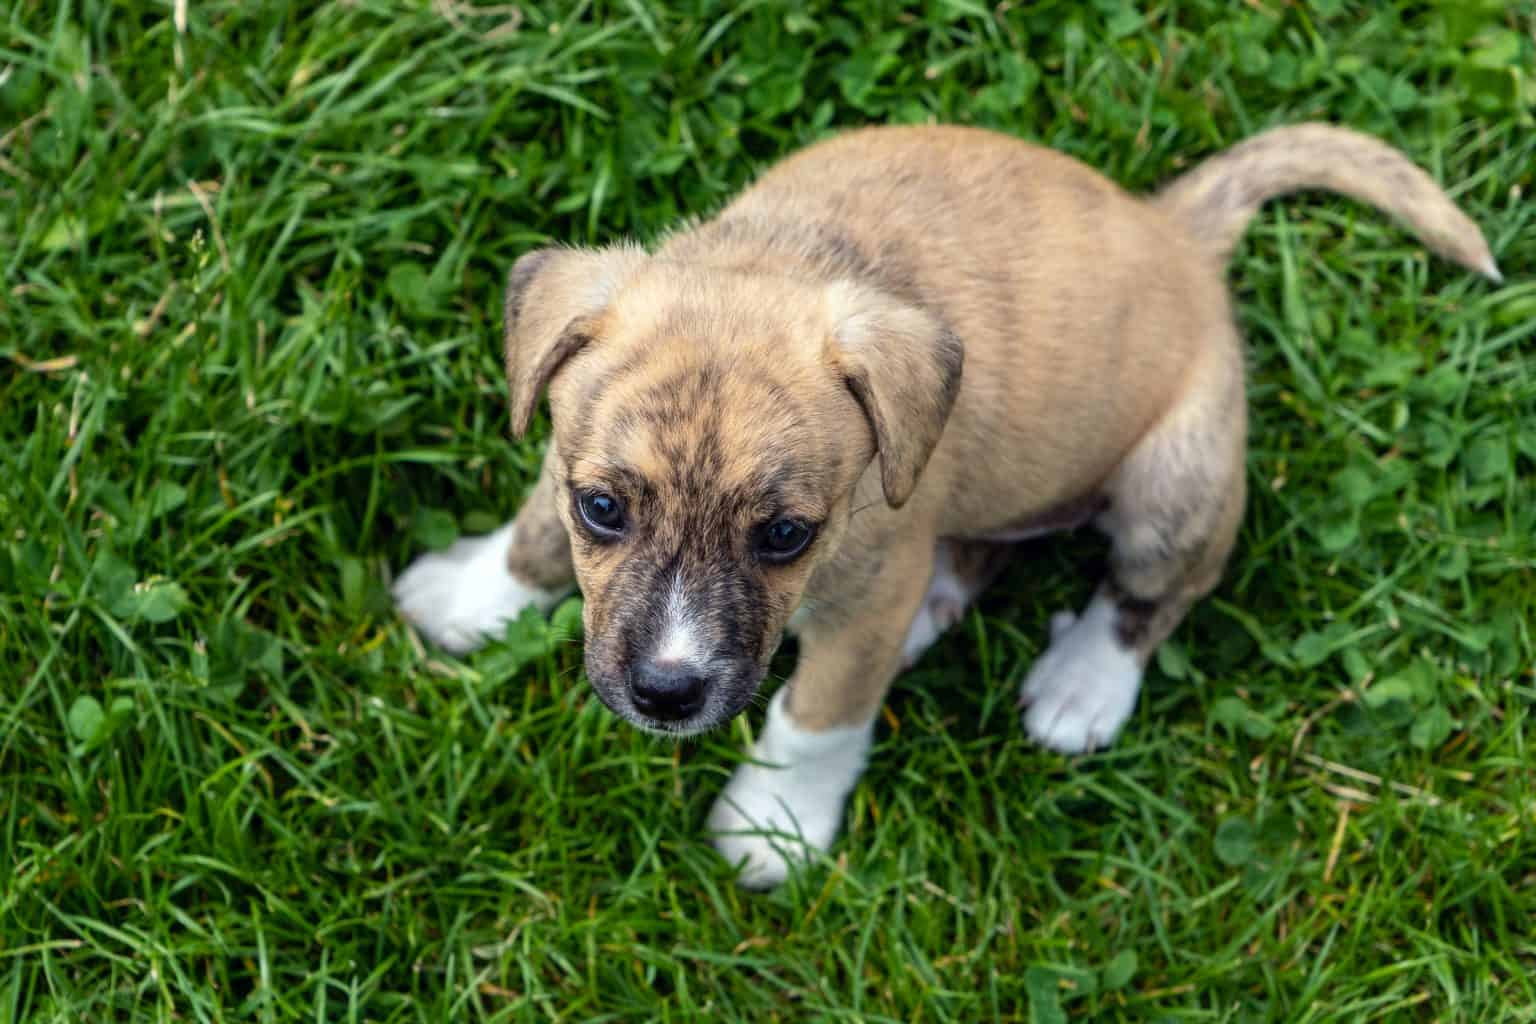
(467, 593)
(787, 802)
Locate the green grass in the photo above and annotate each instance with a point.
(250, 336)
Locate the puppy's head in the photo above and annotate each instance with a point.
(710, 428)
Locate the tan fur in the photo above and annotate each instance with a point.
(828, 306)
(847, 661)
(1217, 199)
(542, 554)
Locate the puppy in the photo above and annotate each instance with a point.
(829, 409)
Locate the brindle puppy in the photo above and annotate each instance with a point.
(828, 408)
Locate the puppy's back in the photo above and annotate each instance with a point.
(1082, 309)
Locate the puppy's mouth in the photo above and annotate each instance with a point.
(671, 730)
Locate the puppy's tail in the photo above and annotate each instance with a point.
(1217, 199)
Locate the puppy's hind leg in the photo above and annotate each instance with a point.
(961, 571)
(466, 594)
(1175, 504)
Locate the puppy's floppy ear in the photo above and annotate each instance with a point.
(554, 295)
(903, 364)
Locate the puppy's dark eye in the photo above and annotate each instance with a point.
(783, 539)
(601, 512)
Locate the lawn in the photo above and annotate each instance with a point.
(250, 340)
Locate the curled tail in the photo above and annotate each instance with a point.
(1217, 199)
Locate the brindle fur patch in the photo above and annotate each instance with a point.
(1133, 615)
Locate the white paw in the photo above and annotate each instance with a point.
(925, 629)
(765, 838)
(942, 607)
(1082, 690)
(775, 815)
(464, 595)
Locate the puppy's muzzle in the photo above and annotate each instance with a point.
(675, 698)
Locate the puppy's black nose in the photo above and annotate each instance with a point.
(667, 692)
